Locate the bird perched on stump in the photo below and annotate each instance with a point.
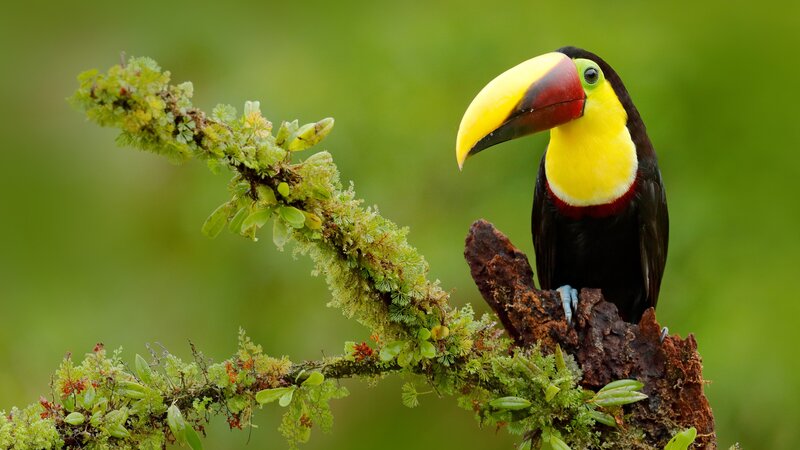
(599, 208)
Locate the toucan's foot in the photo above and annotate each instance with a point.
(664, 333)
(569, 299)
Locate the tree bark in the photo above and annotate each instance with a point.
(605, 347)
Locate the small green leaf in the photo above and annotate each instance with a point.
(298, 142)
(241, 188)
(410, 395)
(286, 398)
(118, 431)
(266, 195)
(310, 134)
(131, 389)
(423, 334)
(557, 444)
(68, 402)
(139, 407)
(216, 221)
(132, 394)
(390, 350)
(427, 350)
(292, 216)
(313, 222)
(551, 441)
(193, 439)
(117, 416)
(315, 379)
(143, 370)
(440, 332)
(620, 392)
(525, 445)
(551, 392)
(299, 375)
(96, 419)
(235, 224)
(630, 385)
(115, 423)
(257, 218)
(281, 233)
(285, 131)
(561, 365)
(601, 417)
(283, 189)
(100, 405)
(682, 440)
(75, 418)
(617, 398)
(405, 357)
(130, 385)
(87, 400)
(270, 395)
(176, 423)
(510, 403)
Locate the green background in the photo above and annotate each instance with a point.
(103, 244)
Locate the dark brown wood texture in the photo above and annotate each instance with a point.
(605, 347)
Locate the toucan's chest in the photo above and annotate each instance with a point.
(594, 178)
(591, 163)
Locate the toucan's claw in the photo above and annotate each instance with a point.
(574, 294)
(664, 333)
(569, 300)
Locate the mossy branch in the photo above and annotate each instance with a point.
(374, 276)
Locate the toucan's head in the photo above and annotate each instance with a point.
(539, 94)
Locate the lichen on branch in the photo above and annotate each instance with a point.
(103, 403)
(372, 271)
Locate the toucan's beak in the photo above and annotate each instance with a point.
(539, 94)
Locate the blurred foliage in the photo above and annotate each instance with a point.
(105, 245)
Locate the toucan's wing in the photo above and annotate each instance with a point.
(544, 231)
(653, 231)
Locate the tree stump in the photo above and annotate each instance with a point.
(605, 347)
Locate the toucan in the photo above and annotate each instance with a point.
(599, 207)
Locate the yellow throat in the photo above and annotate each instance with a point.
(592, 160)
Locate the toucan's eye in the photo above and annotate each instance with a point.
(591, 75)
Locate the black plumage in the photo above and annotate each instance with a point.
(620, 248)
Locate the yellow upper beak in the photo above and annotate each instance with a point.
(535, 95)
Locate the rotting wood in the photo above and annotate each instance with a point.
(605, 347)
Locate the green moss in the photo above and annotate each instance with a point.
(310, 407)
(28, 429)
